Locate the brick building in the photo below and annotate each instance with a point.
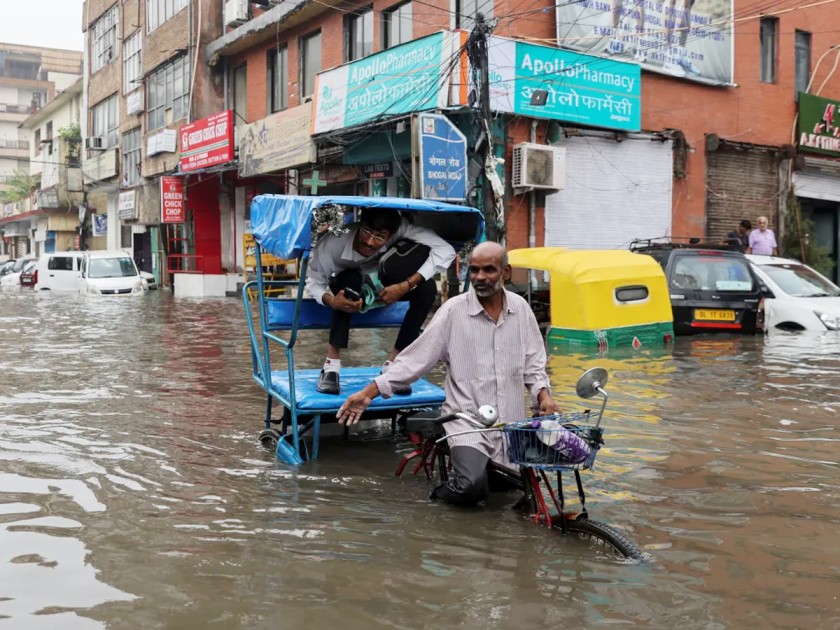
(659, 118)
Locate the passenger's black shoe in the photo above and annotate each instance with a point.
(328, 383)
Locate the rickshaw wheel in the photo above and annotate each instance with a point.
(269, 438)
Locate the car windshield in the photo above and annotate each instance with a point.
(30, 266)
(711, 273)
(800, 281)
(111, 267)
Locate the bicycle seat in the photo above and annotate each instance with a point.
(421, 424)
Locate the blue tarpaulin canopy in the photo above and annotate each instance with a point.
(282, 223)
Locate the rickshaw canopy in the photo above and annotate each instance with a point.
(601, 290)
(282, 224)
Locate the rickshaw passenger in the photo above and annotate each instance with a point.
(491, 344)
(335, 280)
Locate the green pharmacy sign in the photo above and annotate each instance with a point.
(819, 125)
(413, 77)
(569, 86)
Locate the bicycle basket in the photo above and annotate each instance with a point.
(553, 442)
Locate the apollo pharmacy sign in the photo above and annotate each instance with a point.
(409, 78)
(580, 89)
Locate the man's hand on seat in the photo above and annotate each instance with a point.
(356, 404)
(340, 303)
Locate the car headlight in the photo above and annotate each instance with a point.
(832, 322)
(92, 290)
(138, 288)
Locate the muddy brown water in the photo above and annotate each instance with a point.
(133, 493)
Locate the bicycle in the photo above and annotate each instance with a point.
(536, 448)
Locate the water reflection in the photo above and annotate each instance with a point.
(133, 493)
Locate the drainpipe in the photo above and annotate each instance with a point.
(532, 219)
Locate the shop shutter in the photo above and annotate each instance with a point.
(817, 184)
(741, 183)
(615, 192)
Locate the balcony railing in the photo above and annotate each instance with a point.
(14, 144)
(16, 109)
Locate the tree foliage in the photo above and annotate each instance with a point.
(20, 186)
(800, 241)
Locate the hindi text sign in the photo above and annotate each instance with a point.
(443, 159)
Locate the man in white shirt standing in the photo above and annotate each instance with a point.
(763, 240)
(335, 280)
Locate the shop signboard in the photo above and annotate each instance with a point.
(443, 159)
(164, 141)
(573, 87)
(172, 200)
(101, 165)
(819, 125)
(690, 40)
(277, 142)
(126, 206)
(99, 223)
(378, 170)
(412, 77)
(207, 142)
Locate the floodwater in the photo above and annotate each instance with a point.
(133, 493)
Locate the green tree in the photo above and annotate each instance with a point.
(800, 241)
(20, 186)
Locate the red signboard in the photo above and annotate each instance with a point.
(207, 142)
(172, 200)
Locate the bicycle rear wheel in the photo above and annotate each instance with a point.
(601, 536)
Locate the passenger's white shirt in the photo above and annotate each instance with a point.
(333, 254)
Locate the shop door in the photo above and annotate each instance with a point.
(740, 184)
(615, 192)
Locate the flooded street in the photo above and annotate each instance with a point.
(134, 494)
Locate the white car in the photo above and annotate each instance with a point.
(797, 297)
(105, 272)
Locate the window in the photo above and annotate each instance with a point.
(132, 62)
(802, 62)
(105, 121)
(359, 29)
(396, 25)
(466, 10)
(103, 39)
(167, 88)
(159, 11)
(635, 293)
(131, 158)
(60, 263)
(310, 63)
(769, 33)
(278, 71)
(37, 141)
(239, 96)
(49, 132)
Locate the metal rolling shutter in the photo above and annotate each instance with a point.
(615, 192)
(812, 183)
(740, 184)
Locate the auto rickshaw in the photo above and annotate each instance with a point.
(602, 298)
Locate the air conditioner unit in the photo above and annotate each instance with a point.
(236, 12)
(539, 166)
(95, 143)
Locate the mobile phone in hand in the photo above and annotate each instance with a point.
(352, 295)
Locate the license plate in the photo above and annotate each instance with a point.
(714, 316)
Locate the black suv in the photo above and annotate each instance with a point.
(712, 287)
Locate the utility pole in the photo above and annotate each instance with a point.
(478, 55)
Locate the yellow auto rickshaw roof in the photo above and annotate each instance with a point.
(585, 265)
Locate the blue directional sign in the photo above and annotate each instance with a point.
(443, 159)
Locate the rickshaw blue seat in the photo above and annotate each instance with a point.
(353, 379)
(281, 315)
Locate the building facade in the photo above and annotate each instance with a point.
(30, 77)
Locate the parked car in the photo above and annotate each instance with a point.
(11, 277)
(6, 267)
(150, 280)
(29, 275)
(105, 272)
(59, 271)
(796, 297)
(712, 288)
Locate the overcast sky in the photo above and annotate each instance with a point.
(47, 23)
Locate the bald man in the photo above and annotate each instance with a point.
(492, 347)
